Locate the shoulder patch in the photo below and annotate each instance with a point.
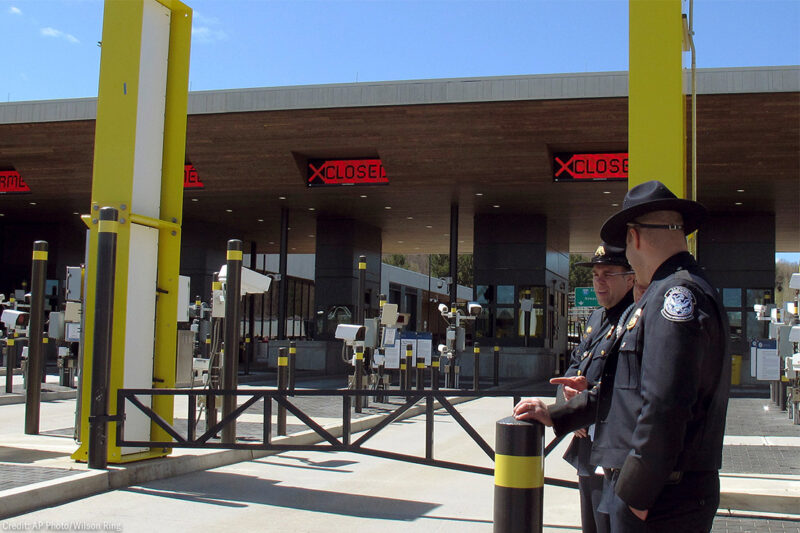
(678, 304)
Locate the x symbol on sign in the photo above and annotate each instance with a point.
(317, 172)
(565, 166)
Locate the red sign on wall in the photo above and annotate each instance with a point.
(190, 178)
(346, 172)
(594, 167)
(11, 182)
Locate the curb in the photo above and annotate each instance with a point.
(15, 398)
(28, 498)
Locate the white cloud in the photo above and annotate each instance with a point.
(204, 34)
(52, 32)
(202, 19)
(15, 10)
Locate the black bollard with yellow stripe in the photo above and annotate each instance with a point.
(518, 476)
(409, 366)
(496, 378)
(476, 367)
(107, 229)
(420, 372)
(358, 379)
(230, 360)
(35, 347)
(283, 371)
(11, 362)
(292, 363)
(435, 372)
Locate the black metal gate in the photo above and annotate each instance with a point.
(433, 399)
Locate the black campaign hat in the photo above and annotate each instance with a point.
(607, 254)
(645, 198)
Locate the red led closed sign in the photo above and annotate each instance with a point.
(11, 182)
(346, 172)
(593, 167)
(190, 178)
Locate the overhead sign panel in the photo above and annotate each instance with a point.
(346, 172)
(12, 183)
(190, 178)
(590, 167)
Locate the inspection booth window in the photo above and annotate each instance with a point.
(502, 317)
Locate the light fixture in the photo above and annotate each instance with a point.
(229, 210)
(606, 192)
(194, 199)
(409, 218)
(614, 205)
(363, 196)
(428, 226)
(33, 203)
(75, 213)
(739, 190)
(312, 208)
(387, 207)
(738, 203)
(2, 214)
(311, 236)
(281, 198)
(261, 220)
(272, 242)
(496, 206)
(478, 194)
(400, 242)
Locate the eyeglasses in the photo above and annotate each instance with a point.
(611, 274)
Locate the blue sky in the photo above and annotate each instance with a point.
(50, 46)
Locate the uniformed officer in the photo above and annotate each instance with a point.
(661, 424)
(612, 279)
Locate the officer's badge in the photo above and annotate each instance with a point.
(589, 329)
(600, 251)
(678, 304)
(634, 319)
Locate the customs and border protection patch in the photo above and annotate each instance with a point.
(678, 304)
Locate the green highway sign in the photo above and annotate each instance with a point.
(585, 297)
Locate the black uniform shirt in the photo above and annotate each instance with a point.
(663, 398)
(588, 359)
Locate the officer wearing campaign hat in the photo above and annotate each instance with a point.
(661, 424)
(612, 280)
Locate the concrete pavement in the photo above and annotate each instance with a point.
(36, 472)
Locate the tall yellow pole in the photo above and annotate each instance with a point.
(656, 115)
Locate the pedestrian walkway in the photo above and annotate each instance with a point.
(760, 475)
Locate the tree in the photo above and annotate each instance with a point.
(440, 268)
(783, 273)
(398, 260)
(579, 276)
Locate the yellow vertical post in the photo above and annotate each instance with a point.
(140, 137)
(656, 116)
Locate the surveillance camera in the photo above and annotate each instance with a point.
(442, 348)
(474, 308)
(443, 308)
(350, 332)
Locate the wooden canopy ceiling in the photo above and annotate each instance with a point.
(491, 157)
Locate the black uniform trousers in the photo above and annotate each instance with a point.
(687, 505)
(592, 519)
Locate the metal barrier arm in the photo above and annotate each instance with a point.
(319, 430)
(467, 427)
(155, 417)
(228, 418)
(410, 402)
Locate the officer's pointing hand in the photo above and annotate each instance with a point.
(578, 383)
(532, 409)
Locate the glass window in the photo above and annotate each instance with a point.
(536, 294)
(483, 324)
(505, 323)
(756, 329)
(732, 297)
(536, 328)
(735, 320)
(505, 294)
(758, 296)
(483, 294)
